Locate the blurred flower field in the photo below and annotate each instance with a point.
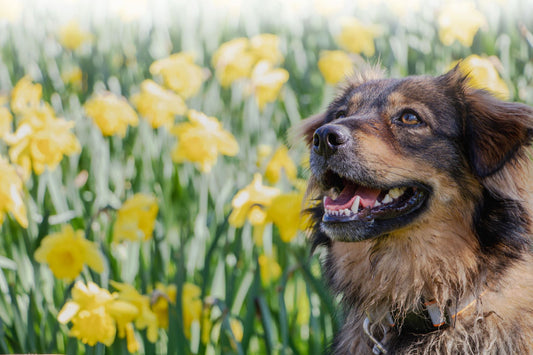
(149, 196)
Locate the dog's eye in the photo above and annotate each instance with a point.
(340, 114)
(410, 118)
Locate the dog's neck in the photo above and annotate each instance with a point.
(391, 273)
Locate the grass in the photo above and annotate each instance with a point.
(193, 240)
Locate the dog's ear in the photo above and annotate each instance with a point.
(306, 128)
(495, 130)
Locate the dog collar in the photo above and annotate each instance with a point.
(430, 318)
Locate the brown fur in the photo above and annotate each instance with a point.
(471, 240)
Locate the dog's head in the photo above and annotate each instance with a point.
(391, 154)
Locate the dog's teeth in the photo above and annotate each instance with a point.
(396, 192)
(387, 199)
(347, 212)
(377, 203)
(324, 200)
(355, 206)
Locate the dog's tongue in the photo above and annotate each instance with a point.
(350, 192)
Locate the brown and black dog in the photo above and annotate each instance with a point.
(426, 202)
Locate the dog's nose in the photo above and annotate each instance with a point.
(327, 139)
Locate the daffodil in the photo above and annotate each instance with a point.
(111, 113)
(356, 37)
(124, 313)
(41, 140)
(136, 218)
(335, 66)
(482, 74)
(72, 76)
(459, 21)
(266, 47)
(236, 329)
(131, 341)
(94, 326)
(145, 319)
(233, 61)
(6, 120)
(179, 73)
(72, 36)
(158, 105)
(25, 95)
(191, 306)
(251, 201)
(269, 269)
(201, 140)
(266, 82)
(67, 251)
(161, 297)
(263, 152)
(280, 161)
(11, 194)
(284, 211)
(91, 323)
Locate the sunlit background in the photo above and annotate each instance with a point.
(149, 200)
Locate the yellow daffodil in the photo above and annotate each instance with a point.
(71, 36)
(67, 251)
(158, 105)
(136, 218)
(161, 297)
(284, 211)
(233, 61)
(94, 326)
(11, 194)
(124, 313)
(41, 140)
(131, 342)
(266, 82)
(201, 140)
(179, 73)
(25, 95)
(91, 323)
(73, 76)
(237, 330)
(266, 47)
(280, 161)
(112, 114)
(6, 120)
(191, 305)
(145, 319)
(356, 37)
(251, 201)
(335, 66)
(263, 152)
(482, 74)
(459, 21)
(269, 269)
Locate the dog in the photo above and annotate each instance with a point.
(423, 190)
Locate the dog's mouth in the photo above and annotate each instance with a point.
(347, 201)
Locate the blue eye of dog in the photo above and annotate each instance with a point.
(410, 118)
